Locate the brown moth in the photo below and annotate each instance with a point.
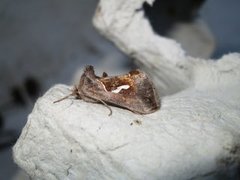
(133, 91)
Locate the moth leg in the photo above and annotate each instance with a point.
(107, 106)
(99, 100)
(90, 99)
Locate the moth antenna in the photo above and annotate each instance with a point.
(107, 106)
(74, 92)
(64, 97)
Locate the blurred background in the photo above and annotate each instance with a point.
(43, 43)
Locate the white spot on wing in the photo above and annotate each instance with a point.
(119, 88)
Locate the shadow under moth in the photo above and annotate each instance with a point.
(133, 91)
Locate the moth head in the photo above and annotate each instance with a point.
(89, 81)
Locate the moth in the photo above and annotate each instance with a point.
(133, 91)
